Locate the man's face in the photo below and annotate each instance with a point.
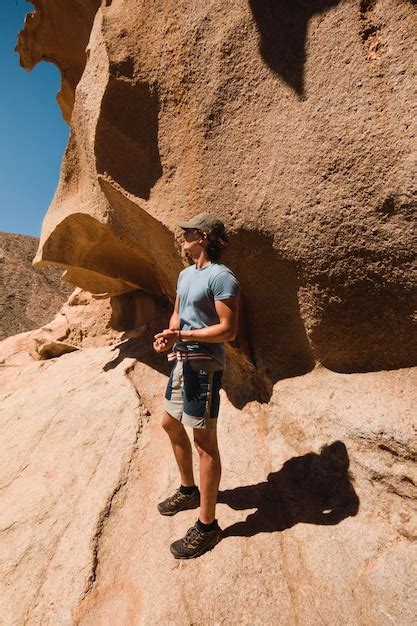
(192, 239)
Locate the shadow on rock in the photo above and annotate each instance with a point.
(283, 30)
(272, 343)
(311, 489)
(366, 326)
(141, 316)
(128, 128)
(139, 346)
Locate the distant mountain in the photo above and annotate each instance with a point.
(29, 297)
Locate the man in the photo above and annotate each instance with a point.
(205, 315)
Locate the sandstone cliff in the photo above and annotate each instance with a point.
(293, 121)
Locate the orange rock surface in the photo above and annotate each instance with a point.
(294, 122)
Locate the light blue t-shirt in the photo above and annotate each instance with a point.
(198, 289)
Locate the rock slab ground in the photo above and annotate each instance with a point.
(84, 463)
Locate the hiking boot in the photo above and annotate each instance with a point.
(195, 543)
(179, 502)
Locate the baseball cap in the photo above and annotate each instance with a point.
(206, 222)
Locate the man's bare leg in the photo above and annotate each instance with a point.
(210, 471)
(181, 446)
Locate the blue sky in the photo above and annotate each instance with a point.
(32, 130)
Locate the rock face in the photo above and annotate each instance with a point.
(28, 297)
(292, 121)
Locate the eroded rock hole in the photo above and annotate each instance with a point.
(127, 135)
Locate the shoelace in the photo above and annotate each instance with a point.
(178, 496)
(192, 537)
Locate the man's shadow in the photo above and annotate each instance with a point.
(313, 489)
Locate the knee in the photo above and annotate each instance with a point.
(170, 424)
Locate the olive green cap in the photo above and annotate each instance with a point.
(206, 222)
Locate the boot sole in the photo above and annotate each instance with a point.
(202, 551)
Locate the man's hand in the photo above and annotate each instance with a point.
(165, 340)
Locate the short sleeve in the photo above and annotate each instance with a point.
(179, 280)
(225, 285)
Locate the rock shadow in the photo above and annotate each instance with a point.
(367, 327)
(126, 142)
(138, 348)
(272, 339)
(283, 28)
(134, 314)
(310, 489)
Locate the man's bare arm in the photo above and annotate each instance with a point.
(174, 322)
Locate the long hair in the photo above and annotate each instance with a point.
(217, 242)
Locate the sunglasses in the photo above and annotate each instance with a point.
(191, 234)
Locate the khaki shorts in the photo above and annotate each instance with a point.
(192, 397)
